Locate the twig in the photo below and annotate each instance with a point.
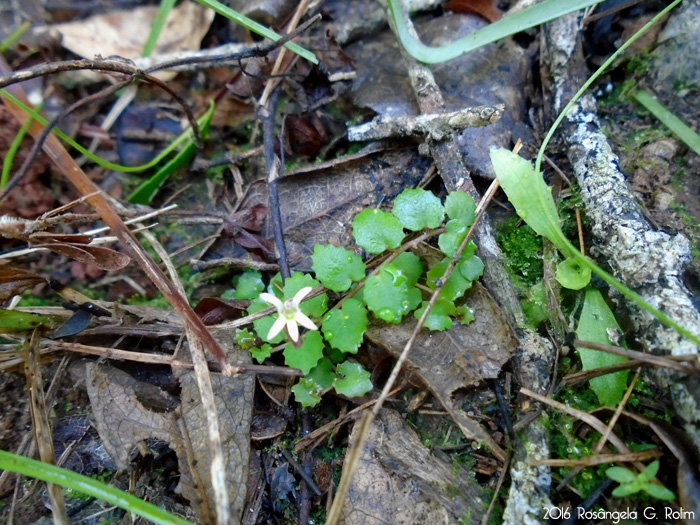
(600, 459)
(274, 172)
(655, 360)
(501, 477)
(305, 475)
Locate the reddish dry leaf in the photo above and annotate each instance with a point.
(14, 281)
(483, 8)
(104, 258)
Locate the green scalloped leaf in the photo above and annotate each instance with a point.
(249, 285)
(337, 267)
(658, 491)
(464, 314)
(307, 355)
(596, 324)
(449, 242)
(572, 274)
(344, 329)
(245, 338)
(315, 307)
(323, 373)
(388, 294)
(410, 265)
(417, 209)
(376, 230)
(439, 316)
(262, 353)
(262, 326)
(471, 267)
(307, 392)
(621, 475)
(455, 286)
(352, 380)
(461, 207)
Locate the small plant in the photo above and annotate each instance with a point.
(631, 483)
(389, 292)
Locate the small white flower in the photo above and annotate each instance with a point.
(290, 314)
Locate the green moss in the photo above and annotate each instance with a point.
(522, 249)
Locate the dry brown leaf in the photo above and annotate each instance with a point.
(14, 281)
(124, 33)
(399, 481)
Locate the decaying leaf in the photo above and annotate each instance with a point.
(398, 480)
(234, 402)
(123, 423)
(460, 357)
(14, 281)
(124, 33)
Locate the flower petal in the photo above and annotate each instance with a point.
(271, 299)
(276, 328)
(304, 321)
(293, 330)
(299, 296)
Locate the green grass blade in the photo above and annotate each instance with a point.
(525, 19)
(83, 484)
(12, 151)
(144, 193)
(98, 160)
(259, 29)
(158, 22)
(682, 131)
(16, 34)
(595, 76)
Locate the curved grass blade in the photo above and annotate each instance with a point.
(98, 160)
(69, 479)
(686, 134)
(259, 29)
(144, 193)
(525, 19)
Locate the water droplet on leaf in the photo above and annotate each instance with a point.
(386, 314)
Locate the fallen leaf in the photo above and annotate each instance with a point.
(398, 480)
(13, 281)
(124, 33)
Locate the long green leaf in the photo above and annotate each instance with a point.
(596, 324)
(525, 19)
(83, 484)
(259, 29)
(161, 16)
(98, 160)
(145, 191)
(687, 135)
(533, 199)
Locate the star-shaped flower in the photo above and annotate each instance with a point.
(290, 314)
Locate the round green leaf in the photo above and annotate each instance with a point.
(464, 314)
(323, 373)
(307, 392)
(438, 318)
(262, 353)
(344, 329)
(262, 326)
(352, 380)
(410, 265)
(307, 355)
(455, 286)
(249, 285)
(315, 307)
(572, 274)
(389, 296)
(460, 206)
(471, 268)
(376, 230)
(418, 209)
(336, 267)
(455, 230)
(245, 338)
